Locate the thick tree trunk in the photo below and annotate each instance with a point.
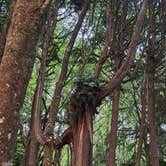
(81, 113)
(15, 70)
(114, 127)
(82, 140)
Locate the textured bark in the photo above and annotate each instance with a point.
(53, 109)
(114, 128)
(154, 157)
(142, 127)
(15, 70)
(5, 30)
(116, 93)
(65, 138)
(32, 143)
(150, 72)
(34, 140)
(82, 136)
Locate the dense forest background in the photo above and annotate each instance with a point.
(97, 92)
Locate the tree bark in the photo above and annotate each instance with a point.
(150, 73)
(154, 157)
(121, 72)
(82, 135)
(53, 109)
(33, 144)
(114, 127)
(30, 158)
(141, 129)
(116, 93)
(15, 70)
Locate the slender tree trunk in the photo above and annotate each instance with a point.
(154, 158)
(57, 157)
(141, 129)
(116, 93)
(150, 72)
(15, 70)
(30, 158)
(53, 109)
(32, 146)
(146, 147)
(114, 127)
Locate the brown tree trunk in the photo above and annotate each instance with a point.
(53, 109)
(150, 72)
(142, 124)
(116, 93)
(30, 158)
(82, 138)
(33, 144)
(57, 158)
(121, 72)
(146, 147)
(114, 127)
(154, 158)
(15, 70)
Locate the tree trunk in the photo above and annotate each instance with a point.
(146, 147)
(81, 113)
(53, 108)
(150, 73)
(114, 127)
(154, 158)
(141, 129)
(33, 144)
(15, 70)
(82, 140)
(57, 158)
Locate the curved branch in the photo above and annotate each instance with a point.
(53, 108)
(121, 73)
(62, 78)
(65, 138)
(45, 4)
(40, 83)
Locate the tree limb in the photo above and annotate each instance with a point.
(121, 73)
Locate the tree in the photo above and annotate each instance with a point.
(97, 89)
(16, 68)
